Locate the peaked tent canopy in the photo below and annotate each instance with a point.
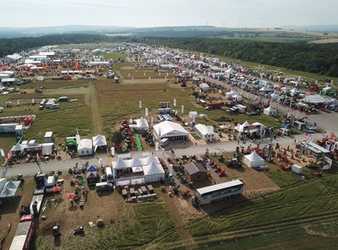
(253, 160)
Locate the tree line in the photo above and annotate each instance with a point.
(13, 45)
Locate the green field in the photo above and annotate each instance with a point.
(250, 223)
(129, 73)
(114, 56)
(120, 101)
(63, 121)
(220, 115)
(294, 238)
(6, 142)
(56, 84)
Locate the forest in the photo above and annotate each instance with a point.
(13, 45)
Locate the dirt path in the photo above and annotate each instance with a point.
(174, 213)
(92, 102)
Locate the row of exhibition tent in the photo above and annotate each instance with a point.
(50, 61)
(274, 87)
(83, 147)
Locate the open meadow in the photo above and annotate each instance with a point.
(119, 101)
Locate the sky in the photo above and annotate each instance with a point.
(150, 13)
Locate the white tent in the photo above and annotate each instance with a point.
(204, 87)
(140, 124)
(241, 127)
(85, 147)
(14, 57)
(270, 111)
(169, 129)
(99, 141)
(147, 167)
(206, 132)
(230, 94)
(253, 160)
(317, 99)
(8, 188)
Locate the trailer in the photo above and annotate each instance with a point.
(23, 236)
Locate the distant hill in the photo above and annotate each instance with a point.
(316, 28)
(8, 32)
(274, 34)
(181, 31)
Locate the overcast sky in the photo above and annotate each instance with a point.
(145, 13)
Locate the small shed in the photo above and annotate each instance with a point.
(195, 172)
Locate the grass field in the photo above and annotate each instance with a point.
(114, 56)
(56, 84)
(63, 121)
(6, 142)
(291, 238)
(298, 205)
(220, 115)
(129, 73)
(120, 101)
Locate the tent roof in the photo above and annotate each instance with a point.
(317, 99)
(149, 164)
(8, 188)
(168, 128)
(241, 127)
(85, 143)
(254, 157)
(99, 141)
(205, 130)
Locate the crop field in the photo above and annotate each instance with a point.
(56, 84)
(118, 101)
(309, 209)
(130, 73)
(114, 56)
(297, 237)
